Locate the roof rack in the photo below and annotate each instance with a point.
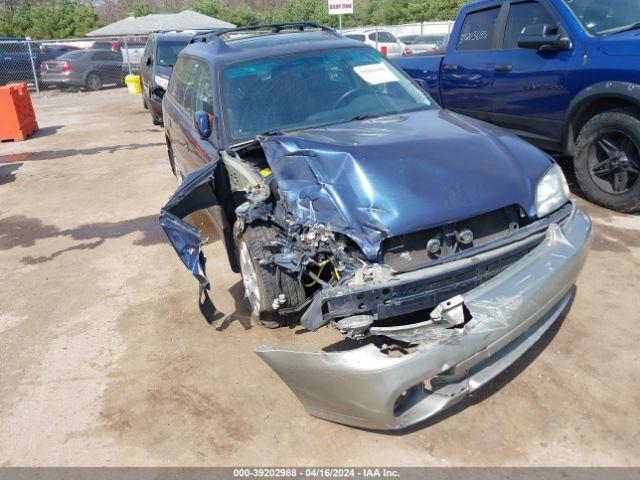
(275, 28)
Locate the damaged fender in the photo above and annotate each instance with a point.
(195, 193)
(509, 313)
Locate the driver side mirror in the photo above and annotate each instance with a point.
(148, 62)
(544, 38)
(202, 123)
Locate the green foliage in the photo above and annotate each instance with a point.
(432, 10)
(140, 8)
(45, 19)
(55, 19)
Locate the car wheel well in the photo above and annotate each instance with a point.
(588, 110)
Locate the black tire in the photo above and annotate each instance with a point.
(157, 121)
(172, 162)
(607, 164)
(93, 82)
(271, 281)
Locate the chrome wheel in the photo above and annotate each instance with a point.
(249, 279)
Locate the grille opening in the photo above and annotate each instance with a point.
(414, 250)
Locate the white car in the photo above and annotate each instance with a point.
(381, 40)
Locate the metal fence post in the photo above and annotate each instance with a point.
(126, 49)
(33, 65)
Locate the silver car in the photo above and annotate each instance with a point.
(429, 43)
(90, 69)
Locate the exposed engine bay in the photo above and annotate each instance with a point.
(327, 266)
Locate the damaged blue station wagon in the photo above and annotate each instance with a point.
(347, 197)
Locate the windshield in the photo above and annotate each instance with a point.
(313, 89)
(168, 51)
(602, 17)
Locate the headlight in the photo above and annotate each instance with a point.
(552, 191)
(162, 82)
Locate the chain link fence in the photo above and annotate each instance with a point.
(70, 64)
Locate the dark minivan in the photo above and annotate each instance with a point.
(159, 56)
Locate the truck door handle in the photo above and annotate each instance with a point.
(450, 68)
(502, 67)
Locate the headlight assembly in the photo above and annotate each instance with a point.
(161, 82)
(552, 191)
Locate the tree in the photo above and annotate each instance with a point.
(140, 8)
(433, 10)
(46, 20)
(308, 10)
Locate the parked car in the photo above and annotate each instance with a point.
(156, 64)
(407, 39)
(132, 50)
(90, 69)
(429, 43)
(381, 40)
(15, 60)
(563, 75)
(345, 196)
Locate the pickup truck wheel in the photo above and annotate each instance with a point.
(264, 283)
(93, 82)
(607, 164)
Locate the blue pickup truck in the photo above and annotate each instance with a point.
(563, 74)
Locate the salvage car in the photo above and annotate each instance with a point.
(347, 198)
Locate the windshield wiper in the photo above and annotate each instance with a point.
(367, 116)
(634, 26)
(270, 133)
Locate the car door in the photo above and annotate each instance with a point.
(202, 150)
(181, 126)
(115, 67)
(468, 67)
(99, 64)
(145, 70)
(529, 93)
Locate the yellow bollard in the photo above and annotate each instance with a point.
(133, 84)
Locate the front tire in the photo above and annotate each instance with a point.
(607, 164)
(93, 82)
(264, 283)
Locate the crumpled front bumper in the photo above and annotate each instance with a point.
(366, 388)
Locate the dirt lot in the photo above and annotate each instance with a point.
(106, 360)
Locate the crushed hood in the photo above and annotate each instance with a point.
(403, 173)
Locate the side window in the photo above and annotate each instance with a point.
(477, 30)
(386, 37)
(176, 82)
(521, 15)
(101, 56)
(204, 94)
(193, 70)
(383, 37)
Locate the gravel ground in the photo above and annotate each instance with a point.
(106, 360)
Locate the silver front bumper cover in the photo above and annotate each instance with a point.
(363, 387)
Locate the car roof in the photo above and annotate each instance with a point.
(219, 51)
(173, 36)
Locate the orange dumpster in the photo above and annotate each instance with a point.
(17, 118)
